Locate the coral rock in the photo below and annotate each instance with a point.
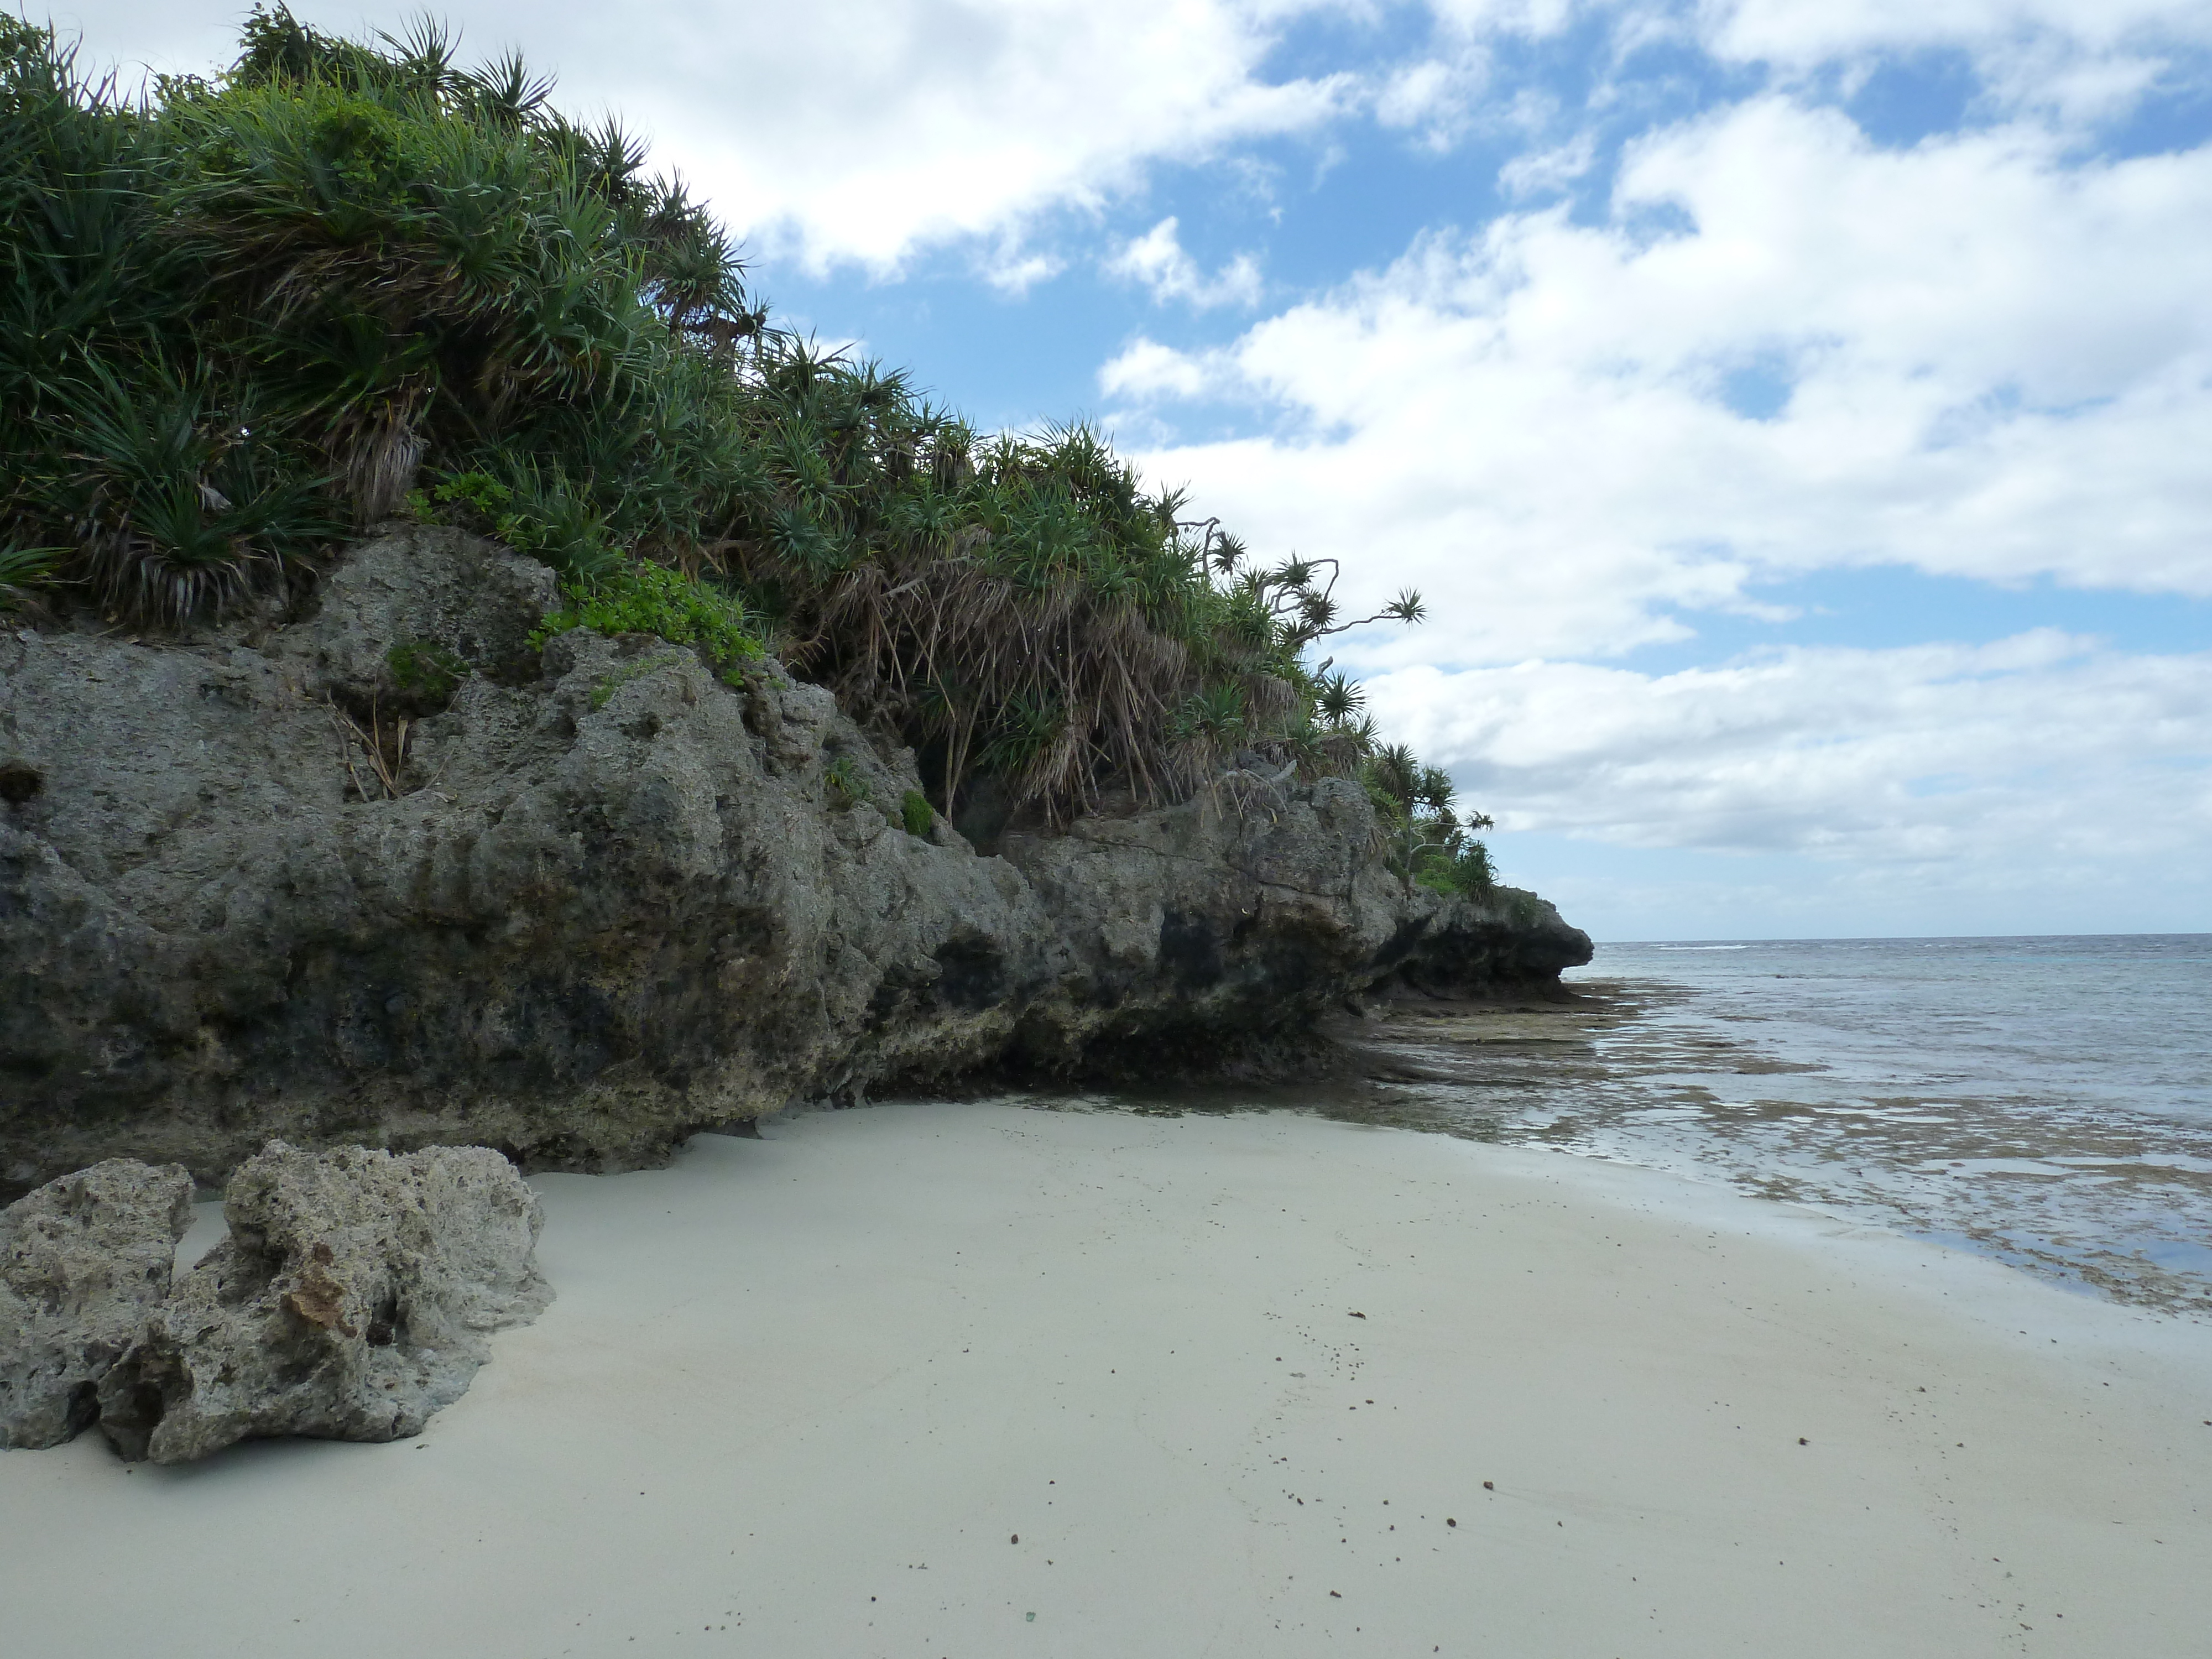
(83, 1261)
(352, 1299)
(601, 897)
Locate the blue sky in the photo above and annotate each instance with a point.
(1795, 411)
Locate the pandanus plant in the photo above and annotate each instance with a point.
(1424, 840)
(345, 279)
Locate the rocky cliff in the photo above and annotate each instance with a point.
(377, 871)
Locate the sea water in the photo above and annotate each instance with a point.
(2048, 1101)
(2045, 1101)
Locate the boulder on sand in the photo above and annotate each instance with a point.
(83, 1261)
(352, 1299)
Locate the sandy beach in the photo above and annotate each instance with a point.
(959, 1380)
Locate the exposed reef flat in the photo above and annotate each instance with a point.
(377, 871)
(2053, 1149)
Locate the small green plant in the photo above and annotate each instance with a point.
(1465, 872)
(1027, 728)
(603, 691)
(1215, 715)
(539, 513)
(1388, 807)
(21, 569)
(474, 497)
(472, 501)
(425, 669)
(916, 813)
(651, 598)
(845, 782)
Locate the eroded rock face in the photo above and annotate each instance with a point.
(1248, 910)
(597, 900)
(83, 1261)
(612, 902)
(353, 1298)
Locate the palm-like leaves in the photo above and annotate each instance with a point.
(379, 264)
(182, 507)
(1337, 699)
(1425, 841)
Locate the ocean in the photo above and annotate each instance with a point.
(2047, 1101)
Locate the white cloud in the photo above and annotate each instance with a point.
(864, 131)
(1981, 356)
(1796, 32)
(1157, 260)
(922, 123)
(1146, 369)
(1012, 271)
(1435, 96)
(1541, 173)
(2042, 752)
(1526, 17)
(1452, 86)
(2083, 60)
(1997, 365)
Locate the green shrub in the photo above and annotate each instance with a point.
(1466, 872)
(425, 669)
(1425, 842)
(475, 501)
(540, 514)
(846, 784)
(650, 598)
(343, 279)
(916, 814)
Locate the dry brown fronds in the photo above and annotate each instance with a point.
(382, 455)
(383, 749)
(1093, 688)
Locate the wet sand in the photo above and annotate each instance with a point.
(1257, 1385)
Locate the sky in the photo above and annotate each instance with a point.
(1796, 413)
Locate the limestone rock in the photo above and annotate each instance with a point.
(352, 1299)
(1509, 939)
(597, 899)
(1239, 913)
(432, 608)
(83, 1261)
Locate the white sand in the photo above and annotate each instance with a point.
(798, 1396)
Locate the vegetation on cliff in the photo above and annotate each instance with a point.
(343, 282)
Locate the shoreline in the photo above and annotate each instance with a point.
(1885, 1091)
(1185, 1361)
